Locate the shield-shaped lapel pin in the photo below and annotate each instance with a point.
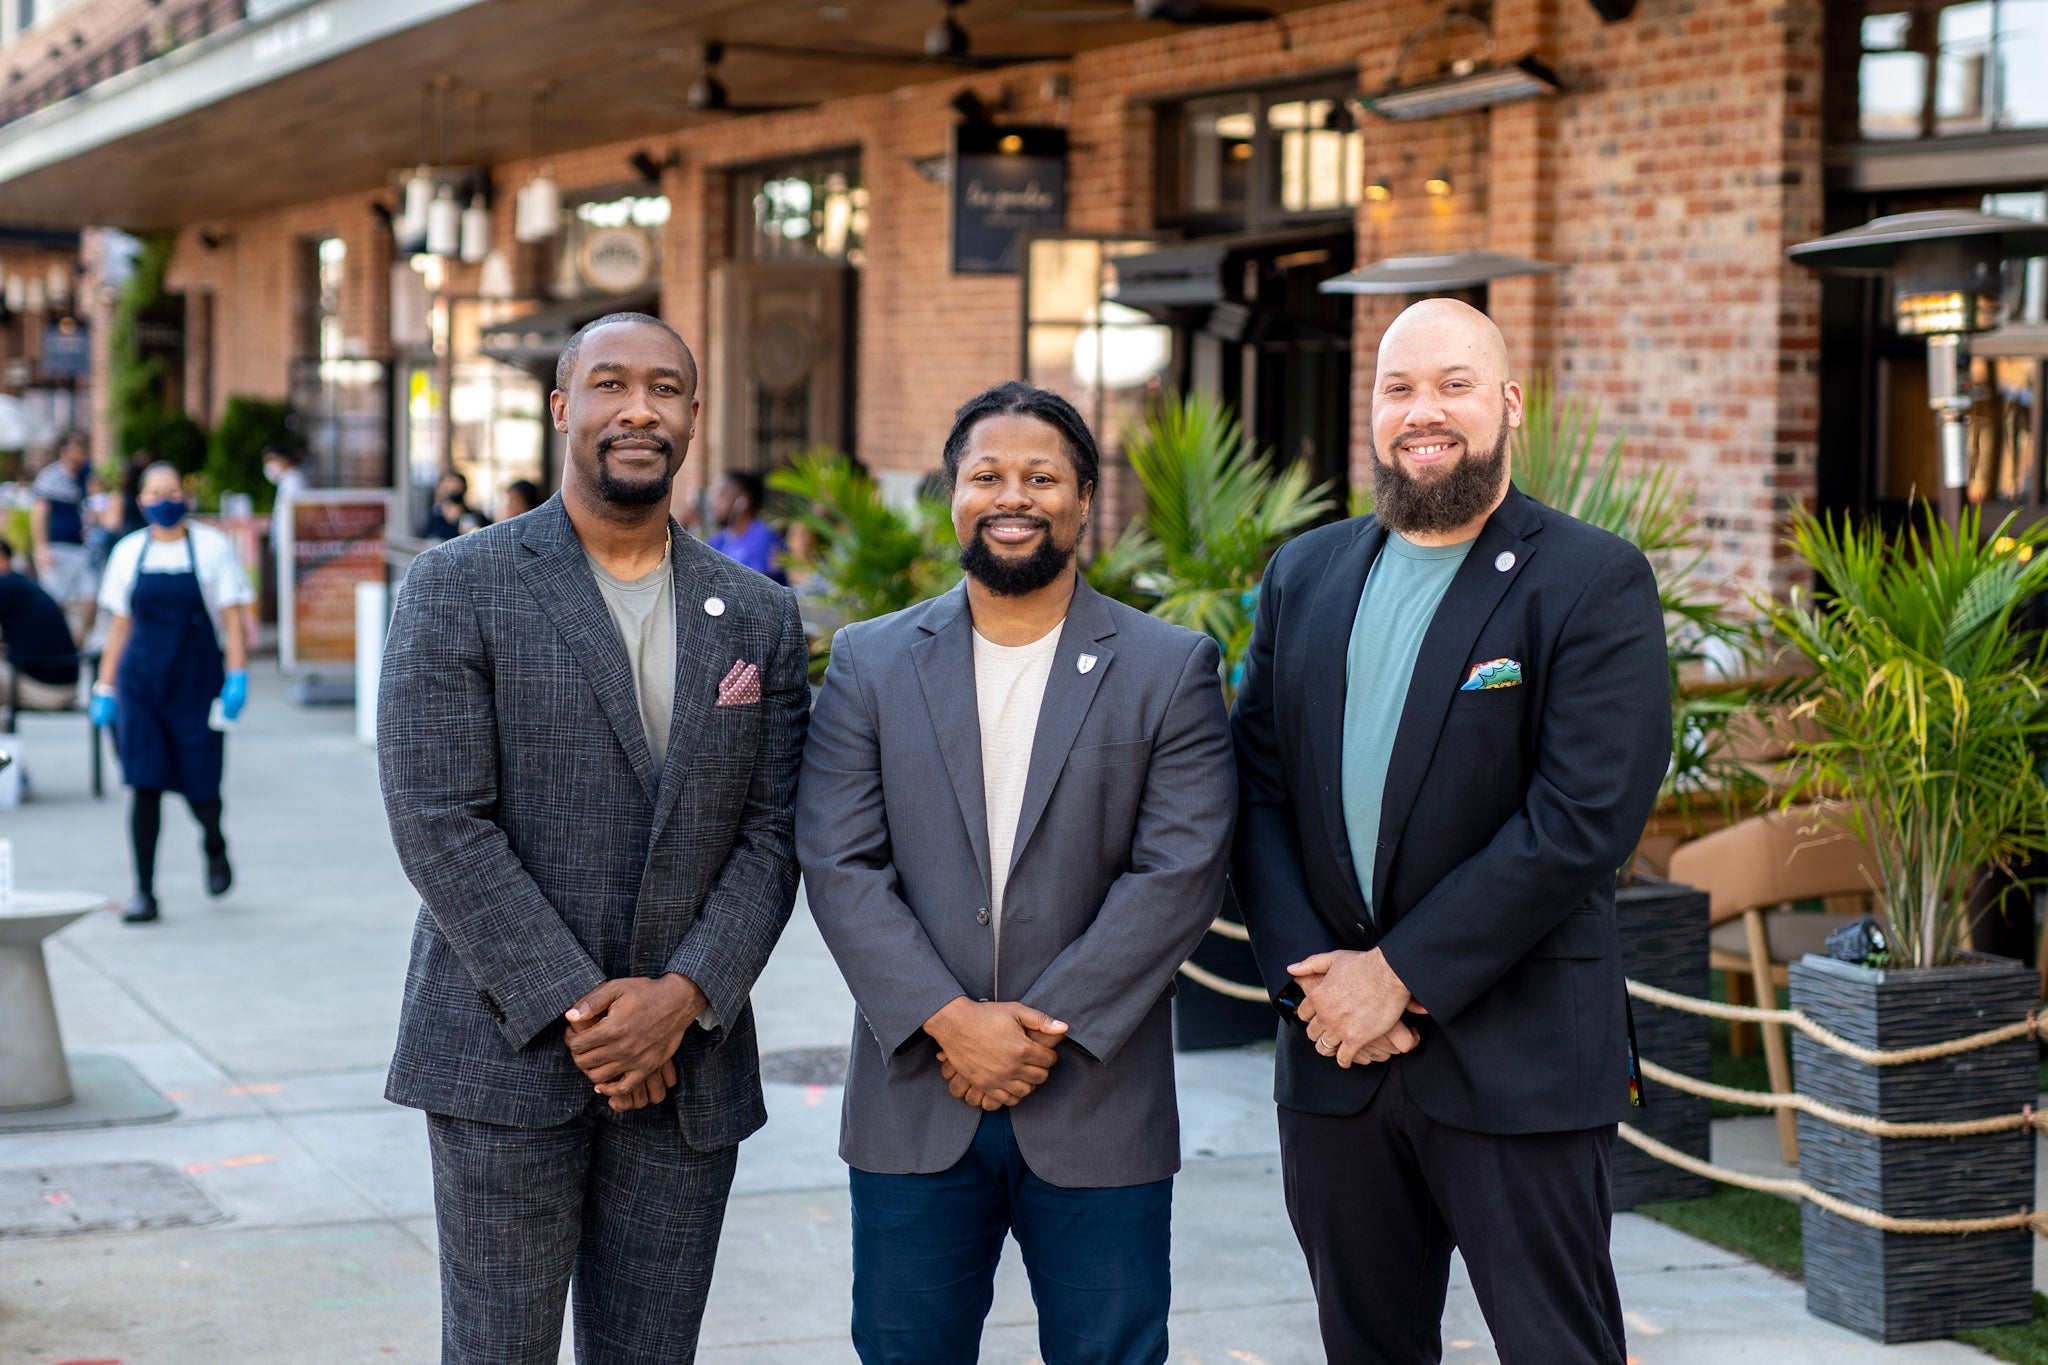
(1085, 662)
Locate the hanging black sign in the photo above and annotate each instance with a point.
(1006, 182)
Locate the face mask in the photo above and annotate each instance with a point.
(272, 473)
(166, 514)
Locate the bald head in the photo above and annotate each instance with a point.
(1442, 410)
(1437, 334)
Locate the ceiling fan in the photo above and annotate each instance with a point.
(1181, 12)
(707, 93)
(946, 43)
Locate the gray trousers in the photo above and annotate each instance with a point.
(614, 1201)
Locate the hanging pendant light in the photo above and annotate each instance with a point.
(476, 229)
(17, 293)
(32, 297)
(543, 206)
(411, 223)
(444, 224)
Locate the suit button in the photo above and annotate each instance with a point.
(981, 917)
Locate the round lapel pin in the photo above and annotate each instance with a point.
(714, 606)
(1504, 561)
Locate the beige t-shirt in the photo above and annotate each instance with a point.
(1009, 686)
(644, 612)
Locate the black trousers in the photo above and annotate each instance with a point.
(615, 1201)
(1380, 1198)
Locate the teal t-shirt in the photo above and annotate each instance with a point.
(1401, 594)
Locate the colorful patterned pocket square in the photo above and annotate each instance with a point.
(1493, 673)
(742, 686)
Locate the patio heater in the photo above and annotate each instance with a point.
(1953, 274)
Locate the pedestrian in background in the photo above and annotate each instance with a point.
(742, 535)
(521, 497)
(57, 525)
(178, 641)
(451, 515)
(589, 730)
(35, 643)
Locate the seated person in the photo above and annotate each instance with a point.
(742, 535)
(35, 637)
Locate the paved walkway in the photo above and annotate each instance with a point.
(268, 1015)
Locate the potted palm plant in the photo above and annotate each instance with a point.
(1216, 507)
(1928, 713)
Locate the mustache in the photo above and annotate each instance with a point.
(1415, 438)
(1040, 522)
(661, 442)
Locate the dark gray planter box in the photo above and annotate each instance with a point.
(1664, 943)
(1913, 1286)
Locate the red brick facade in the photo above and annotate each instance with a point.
(1669, 178)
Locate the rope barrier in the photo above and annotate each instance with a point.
(1201, 976)
(1855, 1213)
(1820, 1109)
(1756, 1014)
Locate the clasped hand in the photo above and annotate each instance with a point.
(994, 1053)
(624, 1036)
(1352, 1005)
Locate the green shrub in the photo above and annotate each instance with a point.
(234, 453)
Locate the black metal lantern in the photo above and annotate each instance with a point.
(1953, 275)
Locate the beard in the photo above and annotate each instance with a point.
(1443, 502)
(1014, 577)
(622, 492)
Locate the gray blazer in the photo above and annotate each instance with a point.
(527, 811)
(1118, 868)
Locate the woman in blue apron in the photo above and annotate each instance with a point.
(162, 670)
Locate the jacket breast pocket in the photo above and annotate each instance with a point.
(1109, 755)
(1489, 699)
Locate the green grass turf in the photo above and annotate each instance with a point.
(1762, 1227)
(2027, 1345)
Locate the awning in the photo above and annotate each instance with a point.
(533, 341)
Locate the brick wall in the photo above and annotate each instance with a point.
(1668, 181)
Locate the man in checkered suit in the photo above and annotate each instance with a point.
(588, 730)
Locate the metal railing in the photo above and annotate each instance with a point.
(158, 30)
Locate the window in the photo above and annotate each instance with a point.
(1260, 156)
(811, 209)
(1950, 69)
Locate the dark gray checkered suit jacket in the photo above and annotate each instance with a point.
(526, 809)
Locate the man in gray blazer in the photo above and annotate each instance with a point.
(588, 732)
(1014, 819)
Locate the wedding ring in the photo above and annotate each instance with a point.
(1323, 1046)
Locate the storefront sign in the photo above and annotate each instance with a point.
(616, 260)
(328, 540)
(67, 351)
(1005, 182)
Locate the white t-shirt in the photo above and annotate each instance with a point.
(222, 580)
(1009, 686)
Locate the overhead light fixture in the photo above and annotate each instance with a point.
(539, 208)
(476, 229)
(972, 108)
(1010, 144)
(1378, 191)
(1468, 83)
(707, 93)
(1439, 185)
(1435, 274)
(444, 224)
(650, 167)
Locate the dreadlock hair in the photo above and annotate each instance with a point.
(1024, 400)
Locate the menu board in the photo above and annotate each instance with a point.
(328, 540)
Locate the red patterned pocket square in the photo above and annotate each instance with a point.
(742, 686)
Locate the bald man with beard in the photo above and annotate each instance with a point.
(1452, 726)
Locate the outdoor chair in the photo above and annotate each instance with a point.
(1751, 871)
(89, 662)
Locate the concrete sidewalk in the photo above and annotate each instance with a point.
(268, 1016)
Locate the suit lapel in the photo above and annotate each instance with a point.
(700, 663)
(1475, 591)
(945, 673)
(1069, 692)
(562, 582)
(1324, 688)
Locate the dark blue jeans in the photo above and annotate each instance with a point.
(925, 1249)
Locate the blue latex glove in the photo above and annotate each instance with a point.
(234, 694)
(101, 710)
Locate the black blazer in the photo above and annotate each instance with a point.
(1507, 812)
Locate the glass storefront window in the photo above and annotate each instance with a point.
(2004, 459)
(814, 208)
(1893, 78)
(1321, 155)
(1102, 356)
(2032, 304)
(1217, 153)
(1259, 156)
